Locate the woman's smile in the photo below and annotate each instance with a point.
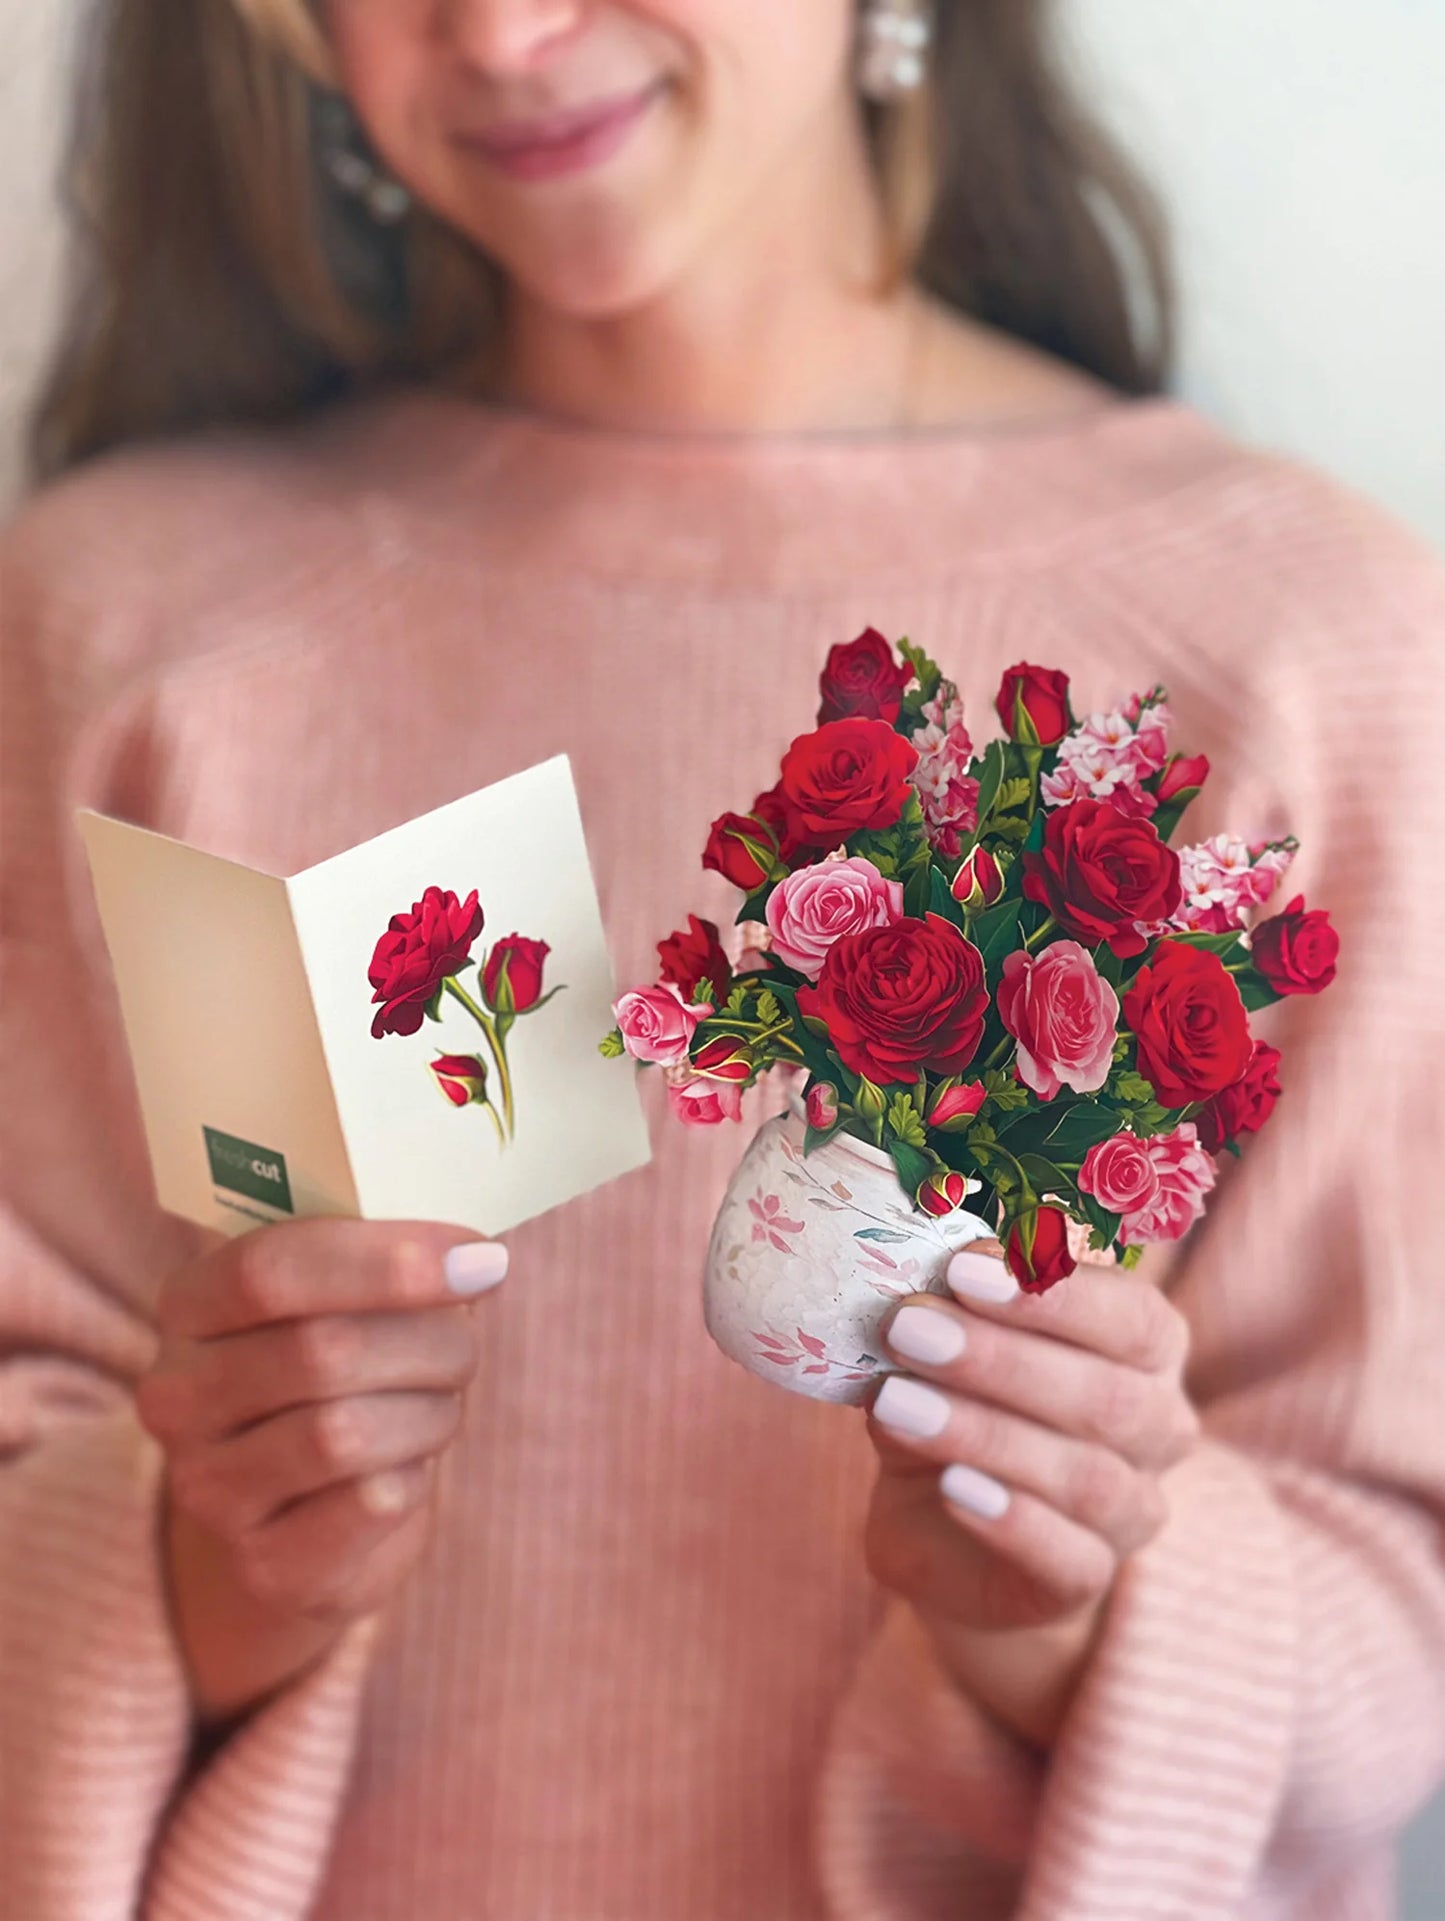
(553, 145)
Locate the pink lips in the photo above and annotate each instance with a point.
(563, 143)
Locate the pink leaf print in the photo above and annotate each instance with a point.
(770, 1223)
(814, 1346)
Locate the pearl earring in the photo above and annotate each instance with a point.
(894, 38)
(349, 165)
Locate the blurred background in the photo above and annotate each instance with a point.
(1299, 146)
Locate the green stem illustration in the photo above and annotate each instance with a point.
(1047, 927)
(499, 1052)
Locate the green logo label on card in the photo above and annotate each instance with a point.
(244, 1168)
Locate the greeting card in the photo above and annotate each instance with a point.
(405, 1031)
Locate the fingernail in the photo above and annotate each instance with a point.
(474, 1266)
(978, 1493)
(924, 1334)
(911, 1407)
(981, 1277)
(384, 1493)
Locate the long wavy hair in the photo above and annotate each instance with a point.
(219, 276)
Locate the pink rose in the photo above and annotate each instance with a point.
(815, 907)
(822, 1106)
(1120, 1174)
(704, 1103)
(1063, 1014)
(657, 1024)
(1186, 1174)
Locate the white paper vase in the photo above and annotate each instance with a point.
(810, 1253)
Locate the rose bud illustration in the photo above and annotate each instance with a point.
(461, 1077)
(512, 974)
(723, 1059)
(1182, 778)
(1033, 704)
(943, 1193)
(822, 1106)
(978, 882)
(955, 1106)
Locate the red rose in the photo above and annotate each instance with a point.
(512, 975)
(461, 1077)
(1033, 704)
(1037, 1250)
(850, 777)
(695, 954)
(901, 998)
(724, 1059)
(1099, 873)
(1194, 1038)
(796, 847)
(743, 849)
(1183, 777)
(1296, 951)
(1246, 1106)
(863, 680)
(417, 953)
(942, 1193)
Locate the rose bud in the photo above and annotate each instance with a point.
(1297, 950)
(1033, 704)
(461, 1077)
(943, 1193)
(743, 849)
(863, 679)
(955, 1106)
(723, 1059)
(512, 974)
(1037, 1249)
(822, 1106)
(978, 882)
(1182, 779)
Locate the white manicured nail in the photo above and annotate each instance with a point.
(385, 1493)
(473, 1266)
(981, 1277)
(911, 1407)
(979, 1493)
(927, 1335)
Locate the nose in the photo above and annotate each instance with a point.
(511, 36)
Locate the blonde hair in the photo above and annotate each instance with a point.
(219, 277)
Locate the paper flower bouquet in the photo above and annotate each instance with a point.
(1012, 1007)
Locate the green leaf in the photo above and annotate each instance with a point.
(1046, 1178)
(542, 1000)
(1105, 1225)
(1008, 1095)
(1131, 1258)
(704, 991)
(1255, 991)
(815, 1137)
(1108, 964)
(434, 1005)
(906, 1121)
(1079, 1128)
(1132, 1090)
(1011, 827)
(990, 778)
(929, 672)
(1011, 794)
(1220, 944)
(610, 1045)
(995, 933)
(1035, 838)
(912, 1166)
(769, 1007)
(755, 907)
(879, 1234)
(737, 1001)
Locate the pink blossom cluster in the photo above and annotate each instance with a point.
(1225, 879)
(948, 795)
(1156, 1187)
(1110, 756)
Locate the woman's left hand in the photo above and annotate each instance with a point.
(1020, 1458)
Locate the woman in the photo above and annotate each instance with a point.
(628, 358)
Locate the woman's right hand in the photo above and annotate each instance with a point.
(309, 1376)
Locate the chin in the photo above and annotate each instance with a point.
(595, 279)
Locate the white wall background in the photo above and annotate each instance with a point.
(1302, 146)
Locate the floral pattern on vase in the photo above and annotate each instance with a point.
(809, 1255)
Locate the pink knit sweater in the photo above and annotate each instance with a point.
(644, 1676)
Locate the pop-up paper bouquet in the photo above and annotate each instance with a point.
(1011, 1006)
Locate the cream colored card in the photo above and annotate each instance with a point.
(249, 1004)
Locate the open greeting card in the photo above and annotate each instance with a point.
(405, 1031)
